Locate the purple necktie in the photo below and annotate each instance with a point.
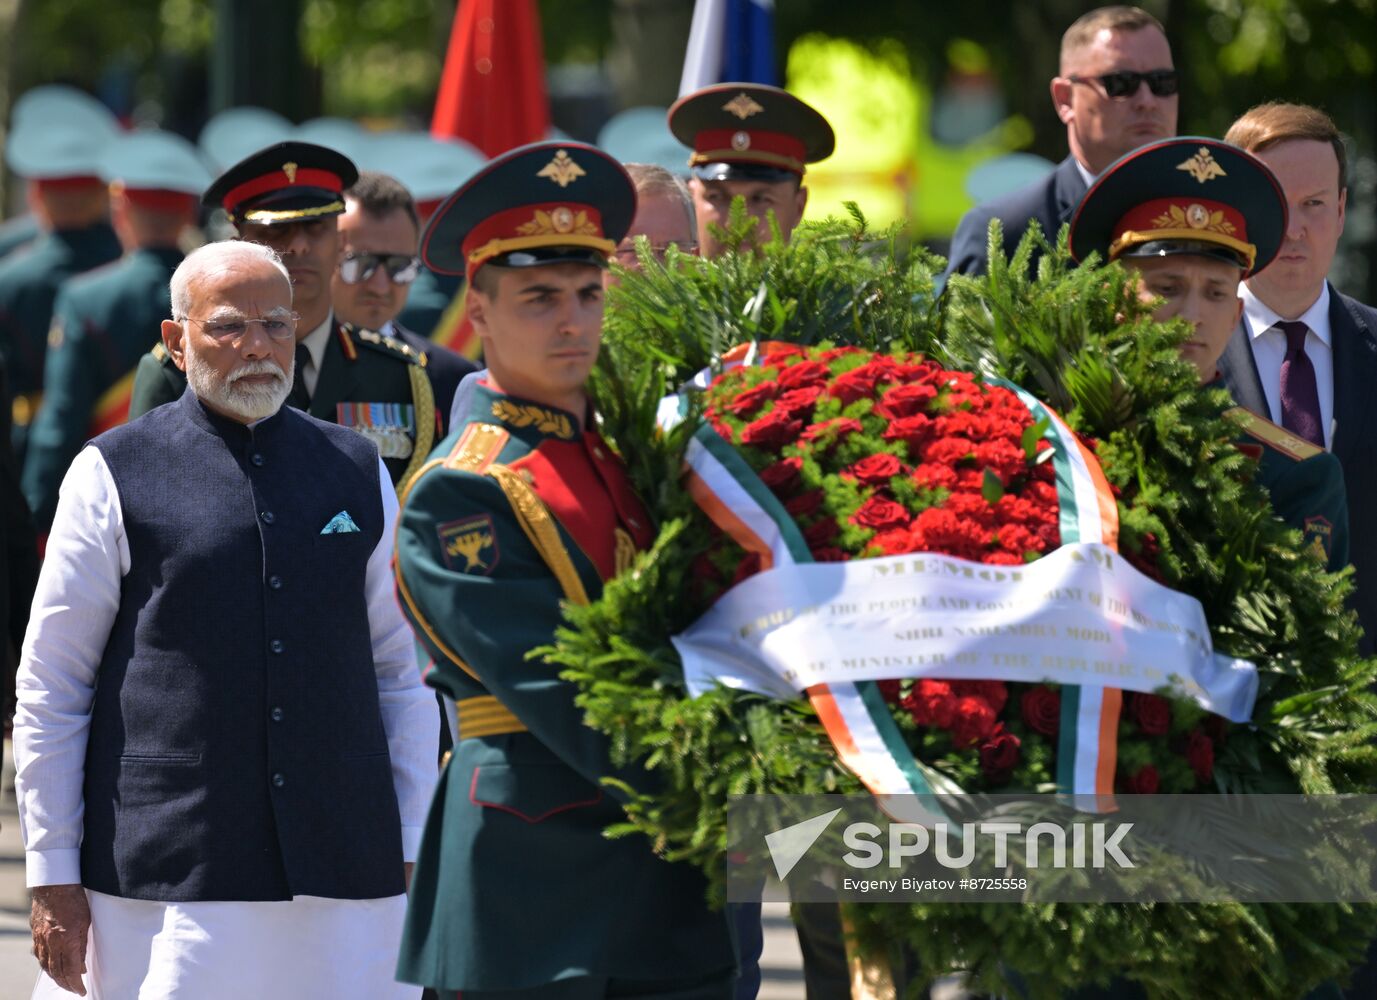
(1300, 400)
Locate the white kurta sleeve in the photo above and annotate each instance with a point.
(74, 608)
(409, 713)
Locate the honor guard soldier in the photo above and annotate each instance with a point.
(288, 197)
(60, 163)
(751, 141)
(1194, 217)
(103, 320)
(522, 508)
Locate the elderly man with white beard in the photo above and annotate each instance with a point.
(224, 751)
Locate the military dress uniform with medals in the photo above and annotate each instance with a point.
(1204, 197)
(370, 382)
(521, 508)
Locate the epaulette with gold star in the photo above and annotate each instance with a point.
(385, 343)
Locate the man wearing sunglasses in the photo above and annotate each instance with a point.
(288, 197)
(378, 234)
(1116, 90)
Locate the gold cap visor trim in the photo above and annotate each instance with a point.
(492, 248)
(1132, 237)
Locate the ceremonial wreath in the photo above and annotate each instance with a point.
(830, 408)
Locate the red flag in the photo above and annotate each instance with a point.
(492, 91)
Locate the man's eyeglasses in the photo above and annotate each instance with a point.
(1162, 82)
(357, 267)
(627, 254)
(232, 328)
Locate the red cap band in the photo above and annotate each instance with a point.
(1183, 218)
(547, 224)
(161, 201)
(277, 181)
(726, 145)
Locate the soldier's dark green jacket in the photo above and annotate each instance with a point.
(1305, 482)
(515, 885)
(368, 381)
(103, 321)
(29, 280)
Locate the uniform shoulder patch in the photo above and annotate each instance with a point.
(469, 545)
(1272, 436)
(385, 344)
(477, 448)
(160, 353)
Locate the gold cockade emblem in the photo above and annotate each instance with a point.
(743, 106)
(1194, 216)
(290, 170)
(562, 170)
(561, 220)
(1202, 166)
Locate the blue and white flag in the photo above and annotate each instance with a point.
(731, 40)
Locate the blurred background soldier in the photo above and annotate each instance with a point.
(104, 320)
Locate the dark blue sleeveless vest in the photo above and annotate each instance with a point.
(236, 747)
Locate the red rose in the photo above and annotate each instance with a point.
(941, 531)
(1153, 714)
(914, 431)
(933, 476)
(880, 514)
(931, 703)
(889, 690)
(827, 553)
(838, 426)
(799, 402)
(906, 400)
(749, 400)
(820, 532)
(774, 430)
(973, 721)
(1041, 707)
(748, 567)
(854, 385)
(777, 353)
(804, 504)
(783, 476)
(999, 754)
(875, 470)
(1003, 457)
(1200, 753)
(993, 693)
(1145, 782)
(804, 373)
(723, 430)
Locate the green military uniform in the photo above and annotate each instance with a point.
(519, 812)
(368, 381)
(517, 891)
(1305, 482)
(102, 322)
(29, 282)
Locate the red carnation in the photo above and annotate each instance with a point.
(906, 400)
(799, 402)
(931, 703)
(783, 476)
(820, 532)
(914, 431)
(950, 450)
(1153, 714)
(778, 353)
(804, 504)
(804, 373)
(999, 754)
(1002, 558)
(895, 542)
(774, 430)
(1041, 708)
(1005, 458)
(1144, 782)
(942, 531)
(880, 514)
(1200, 753)
(972, 506)
(749, 400)
(933, 476)
(875, 470)
(973, 720)
(993, 693)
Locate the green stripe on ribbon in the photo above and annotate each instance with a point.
(745, 477)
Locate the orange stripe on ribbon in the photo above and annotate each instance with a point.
(723, 516)
(1111, 704)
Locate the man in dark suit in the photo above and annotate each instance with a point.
(378, 234)
(1115, 91)
(1304, 355)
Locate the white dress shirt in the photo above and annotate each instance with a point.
(209, 945)
(315, 343)
(1269, 351)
